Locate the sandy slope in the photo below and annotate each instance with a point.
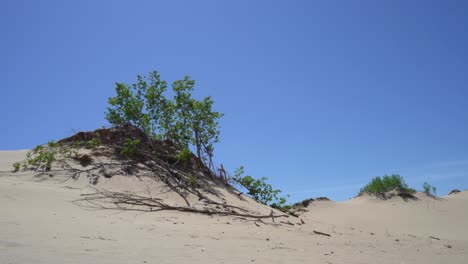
(40, 224)
(444, 217)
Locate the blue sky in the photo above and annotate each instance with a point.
(319, 96)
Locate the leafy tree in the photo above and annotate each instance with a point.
(197, 124)
(183, 104)
(127, 109)
(160, 109)
(184, 120)
(142, 105)
(205, 128)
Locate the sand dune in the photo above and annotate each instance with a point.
(39, 223)
(444, 217)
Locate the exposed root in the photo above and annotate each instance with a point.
(109, 200)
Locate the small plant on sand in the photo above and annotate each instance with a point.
(43, 156)
(184, 155)
(130, 148)
(429, 189)
(259, 189)
(385, 184)
(16, 166)
(282, 206)
(95, 142)
(192, 181)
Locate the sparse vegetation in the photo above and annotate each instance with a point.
(192, 181)
(184, 155)
(429, 189)
(387, 183)
(259, 189)
(95, 142)
(42, 157)
(130, 148)
(16, 166)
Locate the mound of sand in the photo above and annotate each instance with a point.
(41, 222)
(153, 178)
(393, 194)
(454, 192)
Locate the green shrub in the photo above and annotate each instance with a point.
(429, 189)
(95, 142)
(259, 189)
(16, 166)
(42, 157)
(52, 144)
(130, 148)
(387, 183)
(192, 181)
(184, 155)
(281, 205)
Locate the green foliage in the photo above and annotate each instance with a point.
(429, 189)
(184, 155)
(196, 122)
(76, 145)
(127, 108)
(143, 105)
(52, 144)
(130, 148)
(259, 189)
(16, 166)
(183, 120)
(42, 157)
(192, 181)
(95, 142)
(386, 183)
(282, 206)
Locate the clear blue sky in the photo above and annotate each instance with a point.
(320, 96)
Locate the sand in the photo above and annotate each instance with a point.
(39, 223)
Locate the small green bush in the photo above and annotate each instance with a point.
(52, 144)
(184, 155)
(130, 148)
(16, 166)
(41, 157)
(281, 205)
(95, 142)
(385, 184)
(259, 189)
(192, 181)
(429, 189)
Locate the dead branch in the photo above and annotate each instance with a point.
(321, 233)
(103, 199)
